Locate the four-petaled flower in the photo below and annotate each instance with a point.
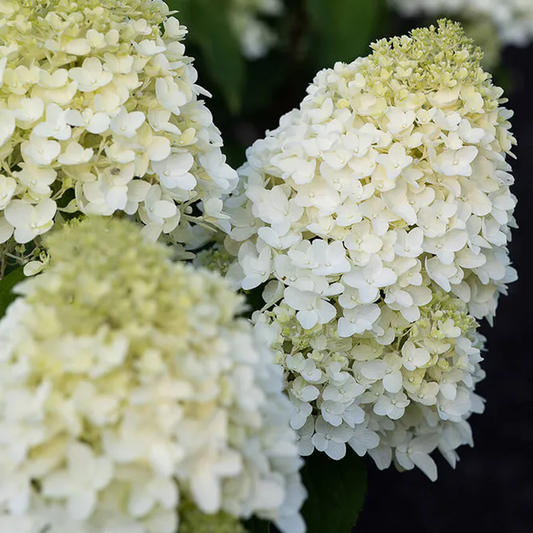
(330, 439)
(370, 278)
(30, 221)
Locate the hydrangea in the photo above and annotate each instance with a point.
(128, 386)
(100, 113)
(513, 19)
(375, 220)
(255, 36)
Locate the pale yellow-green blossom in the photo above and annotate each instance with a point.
(430, 59)
(128, 382)
(192, 520)
(216, 258)
(375, 220)
(100, 113)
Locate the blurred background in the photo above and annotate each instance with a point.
(257, 57)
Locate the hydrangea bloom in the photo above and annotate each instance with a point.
(512, 18)
(128, 384)
(255, 36)
(100, 113)
(376, 219)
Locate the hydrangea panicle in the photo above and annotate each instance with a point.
(132, 398)
(375, 219)
(101, 114)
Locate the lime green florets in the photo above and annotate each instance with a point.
(101, 114)
(431, 58)
(217, 259)
(133, 288)
(143, 367)
(443, 312)
(153, 11)
(192, 520)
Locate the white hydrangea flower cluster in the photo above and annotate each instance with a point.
(127, 385)
(376, 218)
(100, 113)
(255, 36)
(512, 18)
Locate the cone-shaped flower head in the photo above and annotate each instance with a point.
(127, 381)
(100, 113)
(376, 218)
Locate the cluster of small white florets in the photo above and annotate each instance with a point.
(376, 219)
(127, 386)
(513, 19)
(254, 34)
(99, 113)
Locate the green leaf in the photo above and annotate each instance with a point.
(336, 490)
(6, 288)
(255, 525)
(210, 30)
(343, 29)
